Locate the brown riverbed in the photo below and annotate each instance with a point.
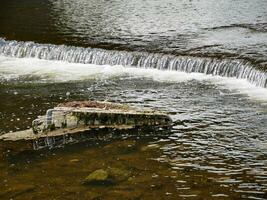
(60, 174)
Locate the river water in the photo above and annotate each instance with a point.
(203, 62)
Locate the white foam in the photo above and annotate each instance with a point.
(58, 71)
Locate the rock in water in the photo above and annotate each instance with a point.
(98, 177)
(107, 177)
(117, 174)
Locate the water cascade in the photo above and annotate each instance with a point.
(222, 67)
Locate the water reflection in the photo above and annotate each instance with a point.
(188, 27)
(203, 28)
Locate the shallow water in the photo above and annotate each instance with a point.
(217, 148)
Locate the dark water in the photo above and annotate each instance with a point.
(218, 146)
(203, 28)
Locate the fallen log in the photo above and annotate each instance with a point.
(77, 121)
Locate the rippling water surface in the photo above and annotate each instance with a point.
(203, 62)
(207, 28)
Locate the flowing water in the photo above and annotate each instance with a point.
(203, 62)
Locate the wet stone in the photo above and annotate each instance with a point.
(98, 177)
(108, 176)
(118, 174)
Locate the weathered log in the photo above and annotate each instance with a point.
(80, 120)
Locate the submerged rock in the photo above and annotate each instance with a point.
(99, 176)
(118, 175)
(108, 176)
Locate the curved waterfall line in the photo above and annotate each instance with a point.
(222, 67)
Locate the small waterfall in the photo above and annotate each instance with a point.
(222, 67)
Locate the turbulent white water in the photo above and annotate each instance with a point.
(38, 70)
(225, 68)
